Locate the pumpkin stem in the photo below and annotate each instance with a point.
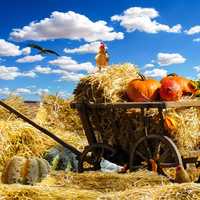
(142, 76)
(172, 74)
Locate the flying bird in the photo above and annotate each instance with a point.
(42, 50)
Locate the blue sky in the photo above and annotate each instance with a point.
(158, 36)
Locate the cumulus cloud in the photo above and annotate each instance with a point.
(19, 91)
(67, 63)
(23, 91)
(10, 73)
(193, 30)
(149, 65)
(65, 75)
(26, 50)
(197, 68)
(71, 76)
(10, 49)
(143, 19)
(30, 59)
(86, 48)
(69, 25)
(165, 59)
(156, 73)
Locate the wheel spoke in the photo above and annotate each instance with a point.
(164, 155)
(156, 154)
(148, 149)
(141, 155)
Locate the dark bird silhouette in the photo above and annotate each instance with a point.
(43, 50)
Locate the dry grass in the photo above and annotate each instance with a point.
(20, 138)
(140, 185)
(56, 112)
(18, 103)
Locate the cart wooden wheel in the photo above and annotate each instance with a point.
(91, 157)
(156, 149)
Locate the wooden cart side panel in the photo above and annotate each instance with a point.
(89, 132)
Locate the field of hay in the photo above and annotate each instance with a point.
(19, 138)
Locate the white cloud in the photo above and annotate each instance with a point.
(156, 73)
(5, 91)
(71, 76)
(67, 63)
(43, 70)
(197, 68)
(165, 59)
(86, 48)
(149, 65)
(69, 25)
(10, 73)
(193, 30)
(19, 91)
(196, 40)
(26, 51)
(23, 91)
(30, 59)
(10, 49)
(65, 75)
(143, 19)
(41, 92)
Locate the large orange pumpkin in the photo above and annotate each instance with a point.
(188, 86)
(141, 90)
(170, 90)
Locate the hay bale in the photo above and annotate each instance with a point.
(110, 86)
(106, 86)
(56, 112)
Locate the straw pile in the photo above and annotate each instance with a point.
(109, 86)
(140, 185)
(56, 112)
(17, 103)
(19, 138)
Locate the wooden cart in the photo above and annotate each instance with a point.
(149, 147)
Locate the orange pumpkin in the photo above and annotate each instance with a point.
(188, 86)
(170, 90)
(141, 90)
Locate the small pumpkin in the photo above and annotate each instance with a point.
(170, 90)
(188, 86)
(61, 158)
(141, 90)
(25, 171)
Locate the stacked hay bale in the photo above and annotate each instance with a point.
(109, 86)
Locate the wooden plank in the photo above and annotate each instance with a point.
(127, 105)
